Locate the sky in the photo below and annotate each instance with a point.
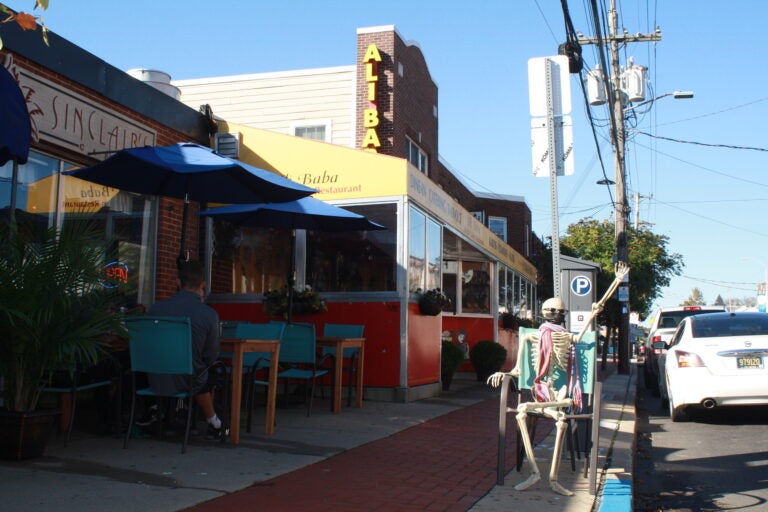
(695, 169)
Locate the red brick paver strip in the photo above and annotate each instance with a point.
(444, 464)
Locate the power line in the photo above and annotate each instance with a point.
(713, 220)
(727, 146)
(736, 107)
(703, 168)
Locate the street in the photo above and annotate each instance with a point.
(716, 461)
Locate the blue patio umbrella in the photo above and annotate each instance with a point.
(191, 172)
(15, 130)
(305, 213)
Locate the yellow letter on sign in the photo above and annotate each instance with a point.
(370, 118)
(371, 139)
(372, 53)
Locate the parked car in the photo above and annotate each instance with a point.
(663, 326)
(717, 360)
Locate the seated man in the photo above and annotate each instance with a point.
(188, 302)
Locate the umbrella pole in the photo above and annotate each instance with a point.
(291, 275)
(182, 257)
(14, 181)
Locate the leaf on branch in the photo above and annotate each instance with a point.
(26, 21)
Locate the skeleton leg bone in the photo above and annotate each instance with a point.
(549, 409)
(553, 483)
(522, 423)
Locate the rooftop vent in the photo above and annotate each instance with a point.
(160, 80)
(227, 144)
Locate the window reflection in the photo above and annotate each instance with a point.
(355, 261)
(256, 260)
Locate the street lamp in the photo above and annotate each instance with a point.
(678, 95)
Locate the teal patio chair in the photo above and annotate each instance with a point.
(298, 358)
(160, 346)
(350, 354)
(71, 382)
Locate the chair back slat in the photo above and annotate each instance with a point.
(343, 330)
(161, 345)
(251, 331)
(298, 343)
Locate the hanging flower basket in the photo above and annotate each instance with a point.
(305, 302)
(432, 302)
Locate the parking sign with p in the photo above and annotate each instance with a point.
(581, 285)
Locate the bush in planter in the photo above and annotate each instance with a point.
(55, 306)
(487, 357)
(451, 357)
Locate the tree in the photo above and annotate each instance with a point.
(652, 265)
(695, 299)
(25, 20)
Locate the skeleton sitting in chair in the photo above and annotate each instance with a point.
(552, 349)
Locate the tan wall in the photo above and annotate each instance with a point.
(275, 101)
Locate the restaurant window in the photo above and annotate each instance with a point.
(315, 131)
(424, 252)
(498, 225)
(46, 196)
(476, 287)
(249, 259)
(355, 261)
(416, 155)
(466, 276)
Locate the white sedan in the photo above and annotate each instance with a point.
(717, 359)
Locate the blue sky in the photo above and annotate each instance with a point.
(707, 200)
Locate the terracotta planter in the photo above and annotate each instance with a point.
(24, 435)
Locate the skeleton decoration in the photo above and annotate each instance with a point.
(552, 350)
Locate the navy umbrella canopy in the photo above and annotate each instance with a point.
(191, 172)
(305, 213)
(15, 127)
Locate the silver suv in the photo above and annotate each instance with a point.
(664, 324)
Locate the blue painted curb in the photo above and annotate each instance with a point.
(616, 496)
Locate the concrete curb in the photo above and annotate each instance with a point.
(615, 490)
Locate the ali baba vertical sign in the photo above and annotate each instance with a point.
(371, 59)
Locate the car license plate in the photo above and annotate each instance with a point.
(753, 362)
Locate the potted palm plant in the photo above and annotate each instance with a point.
(54, 312)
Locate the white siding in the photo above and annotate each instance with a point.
(279, 101)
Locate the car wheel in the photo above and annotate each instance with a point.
(677, 412)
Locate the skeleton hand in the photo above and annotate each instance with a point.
(496, 379)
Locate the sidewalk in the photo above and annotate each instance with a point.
(437, 454)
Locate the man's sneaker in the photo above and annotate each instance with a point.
(151, 416)
(217, 434)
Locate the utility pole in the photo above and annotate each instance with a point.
(639, 196)
(621, 206)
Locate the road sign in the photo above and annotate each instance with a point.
(563, 141)
(560, 86)
(581, 285)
